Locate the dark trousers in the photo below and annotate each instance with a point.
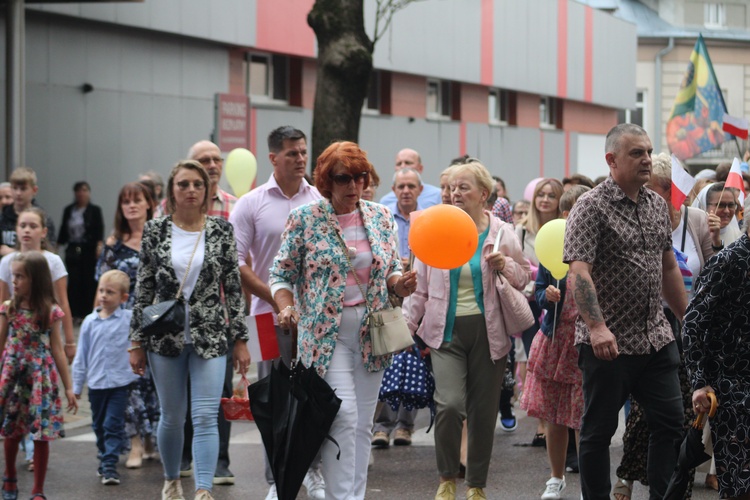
(653, 381)
(108, 421)
(225, 426)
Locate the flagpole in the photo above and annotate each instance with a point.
(554, 319)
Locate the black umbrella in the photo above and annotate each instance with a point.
(293, 409)
(691, 455)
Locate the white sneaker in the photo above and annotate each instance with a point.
(315, 485)
(555, 486)
(272, 493)
(172, 490)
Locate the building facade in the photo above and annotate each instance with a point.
(112, 90)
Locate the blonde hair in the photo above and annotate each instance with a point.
(480, 173)
(533, 220)
(24, 176)
(661, 171)
(118, 278)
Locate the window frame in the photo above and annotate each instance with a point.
(271, 62)
(502, 106)
(715, 15)
(443, 98)
(551, 106)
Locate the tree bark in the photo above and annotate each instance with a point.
(343, 73)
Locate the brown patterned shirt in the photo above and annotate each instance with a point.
(624, 242)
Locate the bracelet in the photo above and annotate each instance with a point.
(70, 344)
(717, 248)
(289, 308)
(134, 348)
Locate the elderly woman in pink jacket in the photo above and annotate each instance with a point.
(459, 310)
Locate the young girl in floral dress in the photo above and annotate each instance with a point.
(34, 361)
(553, 381)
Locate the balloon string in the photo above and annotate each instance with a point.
(554, 322)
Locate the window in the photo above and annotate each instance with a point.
(372, 100)
(268, 77)
(636, 114)
(499, 106)
(438, 99)
(549, 112)
(714, 15)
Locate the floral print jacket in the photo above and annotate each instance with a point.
(158, 282)
(312, 260)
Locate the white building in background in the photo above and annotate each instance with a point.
(667, 32)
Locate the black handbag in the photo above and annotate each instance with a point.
(168, 316)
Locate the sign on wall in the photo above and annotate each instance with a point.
(232, 121)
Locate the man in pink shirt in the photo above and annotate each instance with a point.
(259, 218)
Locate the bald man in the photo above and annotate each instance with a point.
(408, 158)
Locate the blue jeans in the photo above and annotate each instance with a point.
(108, 415)
(206, 381)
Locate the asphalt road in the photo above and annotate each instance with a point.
(398, 472)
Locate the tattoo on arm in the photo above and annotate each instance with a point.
(585, 297)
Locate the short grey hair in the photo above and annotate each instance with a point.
(746, 218)
(613, 136)
(407, 170)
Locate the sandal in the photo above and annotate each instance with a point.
(12, 494)
(623, 489)
(539, 440)
(30, 466)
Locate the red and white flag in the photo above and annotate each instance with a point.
(262, 344)
(738, 127)
(682, 183)
(734, 180)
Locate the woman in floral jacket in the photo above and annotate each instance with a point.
(339, 257)
(189, 243)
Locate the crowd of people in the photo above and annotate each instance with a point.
(651, 316)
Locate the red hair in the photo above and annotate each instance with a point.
(343, 153)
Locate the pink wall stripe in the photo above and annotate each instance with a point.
(254, 137)
(588, 66)
(282, 27)
(562, 48)
(462, 138)
(541, 153)
(567, 153)
(487, 35)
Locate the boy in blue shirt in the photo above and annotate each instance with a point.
(102, 360)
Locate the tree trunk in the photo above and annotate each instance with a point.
(344, 67)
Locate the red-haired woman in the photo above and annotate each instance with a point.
(338, 257)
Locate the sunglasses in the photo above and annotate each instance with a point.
(185, 185)
(345, 179)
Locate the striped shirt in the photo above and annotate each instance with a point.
(356, 238)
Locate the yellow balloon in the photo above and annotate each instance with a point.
(240, 169)
(549, 247)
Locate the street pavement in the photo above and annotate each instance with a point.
(516, 472)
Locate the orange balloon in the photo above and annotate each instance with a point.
(443, 236)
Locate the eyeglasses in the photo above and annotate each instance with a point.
(723, 206)
(185, 185)
(345, 179)
(208, 159)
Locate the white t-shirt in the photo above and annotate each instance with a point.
(56, 268)
(183, 243)
(693, 261)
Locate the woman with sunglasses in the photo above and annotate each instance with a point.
(338, 259)
(196, 254)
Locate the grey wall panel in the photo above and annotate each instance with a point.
(554, 154)
(67, 60)
(520, 156)
(576, 50)
(615, 51)
(526, 46)
(442, 37)
(101, 49)
(205, 70)
(37, 53)
(166, 68)
(136, 63)
(226, 21)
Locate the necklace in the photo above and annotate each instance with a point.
(189, 227)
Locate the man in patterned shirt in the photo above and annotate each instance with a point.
(619, 246)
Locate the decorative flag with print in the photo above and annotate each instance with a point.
(734, 180)
(262, 344)
(738, 127)
(682, 183)
(694, 125)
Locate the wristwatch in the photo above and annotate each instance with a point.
(717, 248)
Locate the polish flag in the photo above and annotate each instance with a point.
(262, 344)
(682, 183)
(734, 179)
(738, 127)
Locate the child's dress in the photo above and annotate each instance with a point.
(553, 389)
(29, 395)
